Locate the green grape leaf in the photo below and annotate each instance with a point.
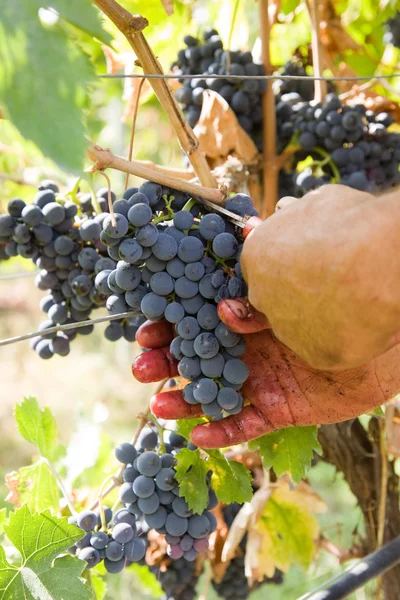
(231, 481)
(191, 471)
(81, 14)
(147, 580)
(3, 517)
(288, 450)
(37, 487)
(40, 538)
(43, 83)
(37, 426)
(186, 426)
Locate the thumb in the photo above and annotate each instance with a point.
(241, 316)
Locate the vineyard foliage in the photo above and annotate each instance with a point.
(233, 519)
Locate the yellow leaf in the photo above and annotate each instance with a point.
(284, 535)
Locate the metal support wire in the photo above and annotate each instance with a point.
(358, 574)
(68, 326)
(241, 77)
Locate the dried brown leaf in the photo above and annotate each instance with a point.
(245, 520)
(217, 541)
(12, 482)
(169, 6)
(219, 132)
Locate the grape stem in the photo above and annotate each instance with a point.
(109, 199)
(115, 480)
(104, 159)
(60, 484)
(160, 431)
(135, 112)
(132, 26)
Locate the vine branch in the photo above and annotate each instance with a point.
(271, 168)
(131, 26)
(320, 86)
(104, 159)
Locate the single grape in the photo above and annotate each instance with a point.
(114, 551)
(87, 520)
(212, 367)
(143, 486)
(148, 464)
(165, 247)
(125, 453)
(147, 439)
(174, 312)
(181, 508)
(119, 230)
(53, 213)
(225, 245)
(183, 220)
(127, 494)
(114, 566)
(91, 556)
(157, 519)
(205, 390)
(188, 328)
(175, 348)
(206, 345)
(162, 284)
(99, 540)
(187, 348)
(175, 525)
(211, 225)
(206, 288)
(190, 249)
(130, 473)
(199, 526)
(114, 331)
(116, 304)
(208, 317)
(192, 305)
(32, 215)
(165, 479)
(60, 345)
(135, 550)
(189, 368)
(175, 552)
(130, 251)
(122, 533)
(89, 230)
(153, 306)
(149, 505)
(226, 336)
(133, 298)
(140, 214)
(147, 235)
(227, 398)
(127, 276)
(176, 268)
(236, 371)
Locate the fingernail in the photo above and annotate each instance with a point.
(239, 310)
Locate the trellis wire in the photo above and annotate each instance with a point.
(18, 275)
(241, 77)
(68, 326)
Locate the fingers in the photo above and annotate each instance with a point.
(241, 317)
(154, 365)
(171, 405)
(237, 429)
(154, 335)
(285, 202)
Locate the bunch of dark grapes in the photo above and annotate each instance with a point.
(178, 580)
(208, 58)
(176, 262)
(62, 238)
(234, 585)
(348, 144)
(118, 542)
(392, 31)
(151, 492)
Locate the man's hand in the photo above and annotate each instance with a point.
(325, 270)
(282, 390)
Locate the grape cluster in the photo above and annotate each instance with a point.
(62, 238)
(234, 585)
(392, 33)
(176, 261)
(151, 492)
(208, 58)
(348, 144)
(118, 542)
(178, 580)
